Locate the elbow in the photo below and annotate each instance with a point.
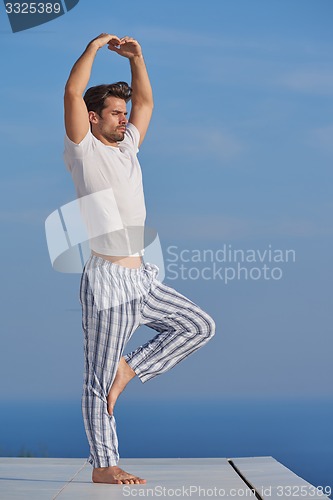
(151, 101)
(149, 107)
(150, 104)
(72, 91)
(143, 102)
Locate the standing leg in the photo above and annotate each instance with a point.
(182, 325)
(106, 332)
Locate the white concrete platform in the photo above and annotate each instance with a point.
(70, 479)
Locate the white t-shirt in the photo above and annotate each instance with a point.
(108, 183)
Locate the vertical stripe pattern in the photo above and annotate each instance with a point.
(116, 300)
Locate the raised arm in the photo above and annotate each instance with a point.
(142, 97)
(76, 114)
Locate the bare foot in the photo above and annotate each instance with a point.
(123, 376)
(115, 475)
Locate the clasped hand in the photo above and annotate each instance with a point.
(125, 46)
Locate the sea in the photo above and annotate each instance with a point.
(297, 433)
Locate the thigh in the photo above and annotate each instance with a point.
(165, 307)
(107, 329)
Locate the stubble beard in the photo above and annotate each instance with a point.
(120, 136)
(117, 136)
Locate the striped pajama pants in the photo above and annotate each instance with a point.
(116, 300)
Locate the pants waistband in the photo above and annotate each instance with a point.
(95, 261)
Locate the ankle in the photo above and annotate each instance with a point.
(103, 469)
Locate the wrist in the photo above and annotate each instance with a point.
(136, 57)
(93, 46)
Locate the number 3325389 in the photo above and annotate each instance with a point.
(33, 8)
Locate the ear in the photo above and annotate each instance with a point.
(93, 117)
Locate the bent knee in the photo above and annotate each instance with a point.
(211, 328)
(208, 327)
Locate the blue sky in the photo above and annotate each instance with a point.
(239, 153)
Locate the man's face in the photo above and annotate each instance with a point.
(110, 127)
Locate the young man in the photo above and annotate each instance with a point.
(119, 291)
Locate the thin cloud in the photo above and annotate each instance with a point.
(216, 144)
(267, 45)
(312, 80)
(193, 39)
(23, 217)
(322, 138)
(214, 227)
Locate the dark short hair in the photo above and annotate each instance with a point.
(95, 96)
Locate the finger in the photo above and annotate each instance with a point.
(114, 43)
(112, 38)
(127, 39)
(114, 48)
